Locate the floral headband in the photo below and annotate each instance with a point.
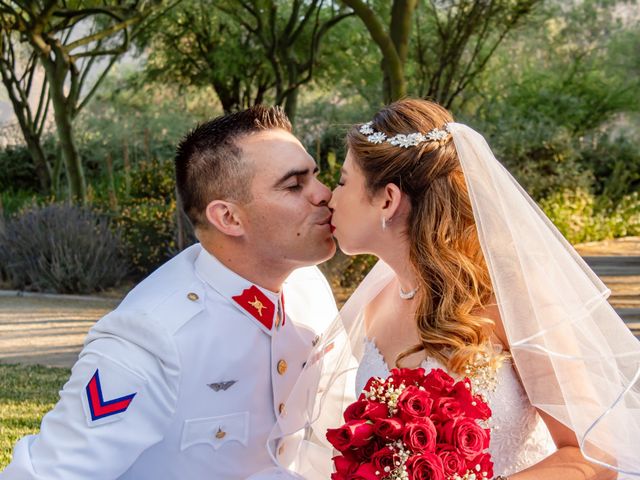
(404, 140)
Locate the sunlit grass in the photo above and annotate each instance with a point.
(26, 394)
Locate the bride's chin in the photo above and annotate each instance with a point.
(345, 248)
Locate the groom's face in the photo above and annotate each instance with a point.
(288, 220)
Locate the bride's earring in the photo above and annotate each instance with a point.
(384, 223)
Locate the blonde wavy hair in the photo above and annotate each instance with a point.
(445, 251)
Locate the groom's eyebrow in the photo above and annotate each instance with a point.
(295, 173)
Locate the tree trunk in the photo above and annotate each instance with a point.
(397, 83)
(29, 130)
(228, 96)
(39, 158)
(290, 100)
(387, 97)
(392, 61)
(399, 31)
(63, 116)
(73, 162)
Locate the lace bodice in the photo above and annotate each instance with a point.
(519, 437)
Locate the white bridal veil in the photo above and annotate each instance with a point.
(577, 360)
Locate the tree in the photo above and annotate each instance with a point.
(248, 51)
(453, 41)
(290, 34)
(19, 78)
(393, 43)
(70, 38)
(559, 101)
(198, 44)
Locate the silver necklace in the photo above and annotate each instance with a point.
(407, 295)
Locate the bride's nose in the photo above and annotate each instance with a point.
(332, 201)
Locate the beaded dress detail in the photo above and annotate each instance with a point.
(519, 437)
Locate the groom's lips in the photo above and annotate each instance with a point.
(327, 223)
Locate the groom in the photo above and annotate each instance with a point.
(185, 379)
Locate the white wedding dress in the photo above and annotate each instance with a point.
(519, 437)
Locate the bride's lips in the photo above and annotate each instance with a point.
(333, 228)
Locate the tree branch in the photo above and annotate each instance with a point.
(103, 34)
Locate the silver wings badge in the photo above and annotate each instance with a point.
(216, 387)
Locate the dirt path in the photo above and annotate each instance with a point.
(50, 330)
(47, 331)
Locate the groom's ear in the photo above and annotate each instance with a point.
(225, 217)
(391, 198)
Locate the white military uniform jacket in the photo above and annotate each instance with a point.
(183, 380)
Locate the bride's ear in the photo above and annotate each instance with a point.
(390, 200)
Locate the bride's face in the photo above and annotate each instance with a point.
(355, 220)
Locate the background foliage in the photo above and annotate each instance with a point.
(556, 97)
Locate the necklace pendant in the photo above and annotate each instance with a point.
(407, 295)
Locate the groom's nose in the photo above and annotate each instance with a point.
(321, 194)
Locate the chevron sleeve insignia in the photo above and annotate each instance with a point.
(98, 406)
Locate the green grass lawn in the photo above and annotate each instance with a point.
(26, 394)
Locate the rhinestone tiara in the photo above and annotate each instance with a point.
(404, 140)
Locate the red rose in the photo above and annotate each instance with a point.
(461, 391)
(486, 465)
(344, 465)
(420, 436)
(365, 409)
(410, 376)
(447, 408)
(372, 382)
(388, 428)
(365, 452)
(425, 466)
(383, 461)
(452, 462)
(352, 434)
(469, 438)
(438, 381)
(481, 409)
(366, 471)
(414, 403)
(473, 405)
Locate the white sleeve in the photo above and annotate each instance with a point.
(118, 402)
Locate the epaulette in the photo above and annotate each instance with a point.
(179, 307)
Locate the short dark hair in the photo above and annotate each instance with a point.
(209, 163)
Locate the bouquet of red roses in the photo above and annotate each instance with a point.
(416, 427)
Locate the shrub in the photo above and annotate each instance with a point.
(615, 163)
(148, 228)
(153, 179)
(147, 217)
(583, 217)
(17, 170)
(62, 248)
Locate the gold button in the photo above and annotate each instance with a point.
(192, 296)
(281, 408)
(282, 367)
(220, 434)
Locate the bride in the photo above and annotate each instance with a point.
(473, 279)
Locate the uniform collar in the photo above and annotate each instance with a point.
(257, 303)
